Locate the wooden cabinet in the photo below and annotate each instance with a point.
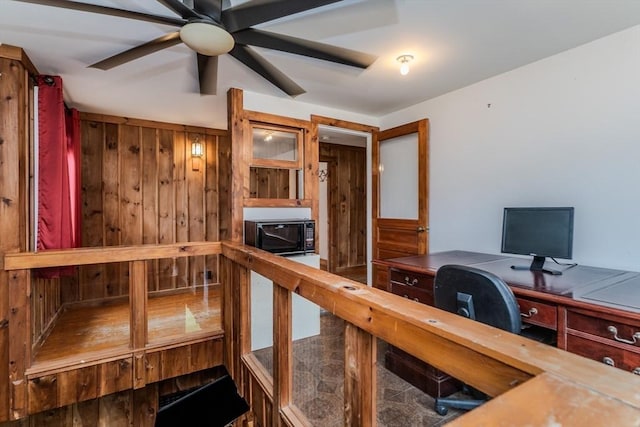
(417, 287)
(608, 339)
(589, 311)
(538, 313)
(602, 352)
(419, 374)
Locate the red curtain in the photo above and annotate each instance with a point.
(58, 172)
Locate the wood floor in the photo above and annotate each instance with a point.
(359, 273)
(81, 331)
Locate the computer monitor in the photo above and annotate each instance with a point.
(539, 232)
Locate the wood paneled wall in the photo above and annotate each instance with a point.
(139, 187)
(268, 183)
(122, 409)
(347, 205)
(16, 113)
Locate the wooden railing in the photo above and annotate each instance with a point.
(532, 384)
(132, 340)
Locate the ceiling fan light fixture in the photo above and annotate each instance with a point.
(206, 38)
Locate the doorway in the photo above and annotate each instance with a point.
(343, 205)
(344, 209)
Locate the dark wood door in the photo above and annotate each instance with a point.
(347, 207)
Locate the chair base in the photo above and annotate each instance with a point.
(442, 405)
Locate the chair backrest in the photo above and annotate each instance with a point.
(477, 294)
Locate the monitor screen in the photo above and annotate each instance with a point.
(540, 232)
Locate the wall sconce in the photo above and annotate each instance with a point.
(404, 61)
(196, 154)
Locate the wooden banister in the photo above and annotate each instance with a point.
(506, 362)
(524, 376)
(100, 255)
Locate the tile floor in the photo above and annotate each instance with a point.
(318, 383)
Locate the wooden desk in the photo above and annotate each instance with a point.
(594, 311)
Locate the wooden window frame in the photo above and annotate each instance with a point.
(305, 157)
(271, 163)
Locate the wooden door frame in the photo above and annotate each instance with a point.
(331, 256)
(316, 122)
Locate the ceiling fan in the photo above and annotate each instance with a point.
(210, 31)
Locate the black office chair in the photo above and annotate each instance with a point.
(481, 296)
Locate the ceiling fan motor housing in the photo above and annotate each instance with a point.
(206, 37)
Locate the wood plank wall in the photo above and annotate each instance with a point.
(138, 187)
(16, 90)
(347, 197)
(268, 183)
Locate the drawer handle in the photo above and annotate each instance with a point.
(532, 312)
(608, 361)
(407, 297)
(636, 371)
(614, 331)
(410, 282)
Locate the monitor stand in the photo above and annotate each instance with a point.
(537, 265)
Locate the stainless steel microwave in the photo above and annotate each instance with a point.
(283, 237)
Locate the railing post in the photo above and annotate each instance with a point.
(236, 315)
(359, 377)
(138, 303)
(19, 343)
(138, 319)
(282, 350)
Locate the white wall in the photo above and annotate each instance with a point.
(562, 131)
(305, 314)
(288, 107)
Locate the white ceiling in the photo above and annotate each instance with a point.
(455, 43)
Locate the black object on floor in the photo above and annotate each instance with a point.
(213, 405)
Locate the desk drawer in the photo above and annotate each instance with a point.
(413, 293)
(538, 313)
(616, 330)
(416, 280)
(614, 356)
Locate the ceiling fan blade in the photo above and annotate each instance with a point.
(105, 10)
(256, 12)
(180, 8)
(263, 67)
(155, 45)
(211, 8)
(208, 74)
(304, 47)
